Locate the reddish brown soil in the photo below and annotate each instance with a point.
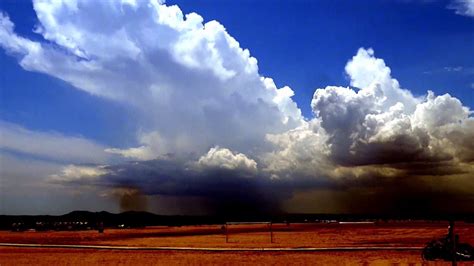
(19, 256)
(413, 234)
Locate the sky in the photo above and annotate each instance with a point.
(205, 107)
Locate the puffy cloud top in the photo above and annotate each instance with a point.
(378, 129)
(225, 159)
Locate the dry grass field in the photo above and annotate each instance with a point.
(19, 256)
(395, 234)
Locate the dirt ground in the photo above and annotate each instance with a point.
(20, 256)
(398, 234)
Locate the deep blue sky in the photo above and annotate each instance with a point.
(303, 44)
(306, 44)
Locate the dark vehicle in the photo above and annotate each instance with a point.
(443, 249)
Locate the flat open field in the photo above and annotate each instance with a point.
(395, 234)
(19, 256)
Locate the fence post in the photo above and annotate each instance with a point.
(271, 232)
(226, 234)
(453, 242)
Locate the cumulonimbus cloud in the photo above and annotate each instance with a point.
(191, 82)
(215, 128)
(379, 124)
(359, 138)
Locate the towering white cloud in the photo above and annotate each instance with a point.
(377, 125)
(192, 84)
(371, 74)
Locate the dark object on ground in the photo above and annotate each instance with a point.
(442, 249)
(100, 227)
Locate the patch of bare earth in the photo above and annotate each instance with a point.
(20, 256)
(396, 234)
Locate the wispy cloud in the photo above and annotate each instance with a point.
(454, 69)
(50, 145)
(463, 7)
(464, 70)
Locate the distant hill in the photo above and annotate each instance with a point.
(79, 220)
(83, 220)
